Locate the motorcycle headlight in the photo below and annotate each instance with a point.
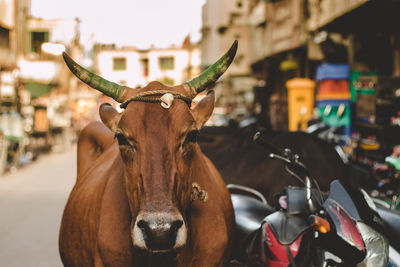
(377, 246)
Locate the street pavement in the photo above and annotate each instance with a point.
(31, 204)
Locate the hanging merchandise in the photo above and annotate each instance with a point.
(333, 95)
(336, 113)
(333, 89)
(333, 71)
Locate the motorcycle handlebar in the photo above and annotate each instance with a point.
(259, 139)
(286, 155)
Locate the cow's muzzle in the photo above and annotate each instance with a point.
(159, 232)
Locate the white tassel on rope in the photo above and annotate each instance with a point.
(166, 100)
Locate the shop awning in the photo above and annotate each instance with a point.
(38, 89)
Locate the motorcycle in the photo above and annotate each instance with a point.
(309, 227)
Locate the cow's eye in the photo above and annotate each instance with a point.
(191, 137)
(122, 141)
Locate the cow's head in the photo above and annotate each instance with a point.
(157, 140)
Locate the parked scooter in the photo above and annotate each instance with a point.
(309, 227)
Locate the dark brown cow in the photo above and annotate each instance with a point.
(242, 161)
(132, 204)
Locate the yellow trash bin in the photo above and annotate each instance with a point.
(300, 102)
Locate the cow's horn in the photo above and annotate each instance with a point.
(111, 89)
(212, 73)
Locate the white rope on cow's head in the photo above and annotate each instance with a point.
(166, 99)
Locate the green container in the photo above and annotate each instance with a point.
(360, 81)
(336, 113)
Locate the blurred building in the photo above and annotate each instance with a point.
(136, 68)
(365, 36)
(36, 92)
(41, 69)
(13, 17)
(224, 21)
(278, 53)
(49, 93)
(283, 39)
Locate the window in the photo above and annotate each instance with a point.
(37, 39)
(166, 63)
(119, 63)
(145, 66)
(4, 37)
(222, 29)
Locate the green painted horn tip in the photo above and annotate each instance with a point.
(235, 45)
(67, 58)
(232, 51)
(65, 55)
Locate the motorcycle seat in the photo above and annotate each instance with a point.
(249, 215)
(392, 221)
(287, 228)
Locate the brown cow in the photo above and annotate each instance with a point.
(133, 201)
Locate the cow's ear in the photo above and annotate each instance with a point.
(109, 116)
(203, 110)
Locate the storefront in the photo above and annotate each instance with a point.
(369, 32)
(284, 56)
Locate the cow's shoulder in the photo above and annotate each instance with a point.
(94, 139)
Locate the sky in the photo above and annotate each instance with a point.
(139, 23)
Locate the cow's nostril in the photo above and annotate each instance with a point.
(142, 224)
(176, 225)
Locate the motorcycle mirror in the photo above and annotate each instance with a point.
(319, 224)
(259, 139)
(257, 136)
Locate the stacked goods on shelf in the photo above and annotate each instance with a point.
(363, 93)
(388, 101)
(333, 95)
(376, 109)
